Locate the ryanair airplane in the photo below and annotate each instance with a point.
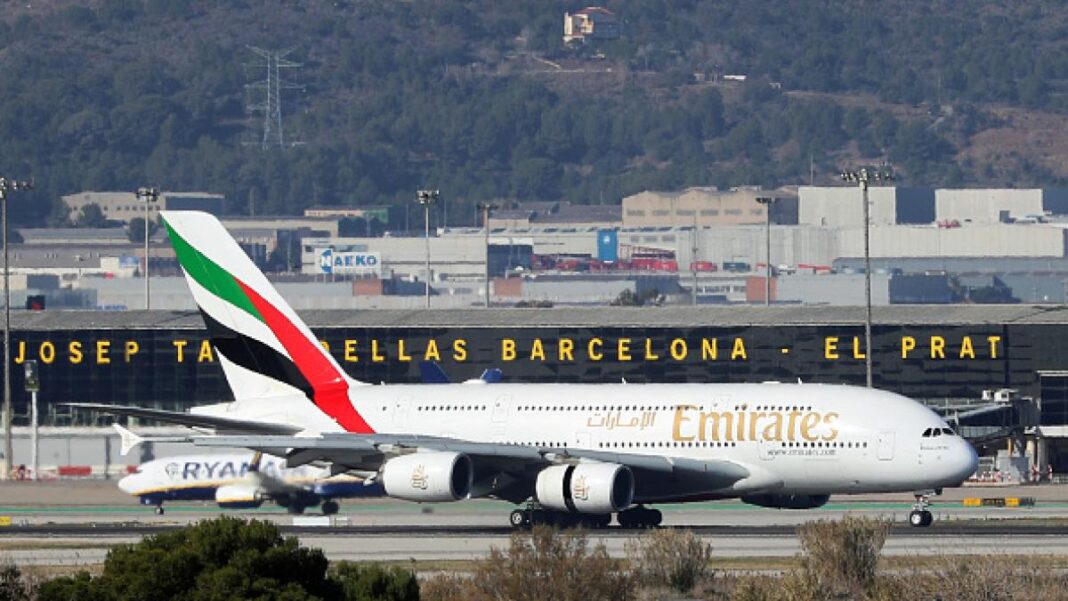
(563, 453)
(241, 481)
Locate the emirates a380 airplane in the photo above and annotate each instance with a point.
(574, 453)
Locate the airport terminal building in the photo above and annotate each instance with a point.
(946, 356)
(164, 359)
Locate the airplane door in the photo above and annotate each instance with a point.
(886, 446)
(400, 411)
(582, 440)
(765, 450)
(500, 409)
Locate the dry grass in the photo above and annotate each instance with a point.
(842, 555)
(546, 564)
(676, 559)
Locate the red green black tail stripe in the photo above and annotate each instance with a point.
(329, 386)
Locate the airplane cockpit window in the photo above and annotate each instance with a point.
(948, 432)
(927, 433)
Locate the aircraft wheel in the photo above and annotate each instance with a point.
(295, 509)
(917, 519)
(655, 518)
(518, 518)
(330, 507)
(928, 518)
(159, 509)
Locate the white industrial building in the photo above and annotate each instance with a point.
(840, 206)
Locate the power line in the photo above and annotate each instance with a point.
(265, 96)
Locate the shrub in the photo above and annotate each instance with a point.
(228, 558)
(842, 554)
(13, 585)
(548, 564)
(669, 557)
(372, 582)
(446, 586)
(979, 578)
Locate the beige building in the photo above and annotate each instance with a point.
(560, 214)
(124, 206)
(707, 207)
(592, 22)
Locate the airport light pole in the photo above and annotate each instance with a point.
(427, 198)
(147, 196)
(863, 179)
(768, 202)
(693, 261)
(8, 185)
(33, 385)
(486, 207)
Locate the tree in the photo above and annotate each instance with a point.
(228, 558)
(135, 231)
(374, 582)
(91, 216)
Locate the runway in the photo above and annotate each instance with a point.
(46, 529)
(52, 546)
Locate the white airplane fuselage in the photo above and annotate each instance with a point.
(793, 438)
(199, 477)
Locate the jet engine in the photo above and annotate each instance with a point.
(238, 496)
(586, 487)
(436, 476)
(787, 501)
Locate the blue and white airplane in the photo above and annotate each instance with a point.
(235, 481)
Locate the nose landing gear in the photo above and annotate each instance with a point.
(920, 516)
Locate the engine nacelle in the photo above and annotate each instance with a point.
(586, 487)
(238, 496)
(437, 476)
(787, 501)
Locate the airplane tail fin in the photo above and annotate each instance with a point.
(263, 346)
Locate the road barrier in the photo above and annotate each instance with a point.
(999, 502)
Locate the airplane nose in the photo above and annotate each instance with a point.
(965, 461)
(128, 484)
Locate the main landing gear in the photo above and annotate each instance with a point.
(920, 517)
(640, 517)
(329, 507)
(534, 514)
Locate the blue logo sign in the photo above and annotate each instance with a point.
(326, 261)
(334, 262)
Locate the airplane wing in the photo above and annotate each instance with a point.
(221, 424)
(367, 452)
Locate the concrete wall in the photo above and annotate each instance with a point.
(838, 289)
(97, 448)
(993, 240)
(984, 205)
(790, 245)
(172, 293)
(841, 206)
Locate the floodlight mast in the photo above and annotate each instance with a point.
(863, 179)
(8, 185)
(427, 198)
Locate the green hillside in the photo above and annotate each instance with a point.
(482, 100)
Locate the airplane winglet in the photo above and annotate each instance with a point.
(129, 439)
